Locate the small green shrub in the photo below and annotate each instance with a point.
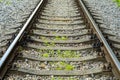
(64, 38)
(46, 55)
(64, 66)
(118, 2)
(69, 67)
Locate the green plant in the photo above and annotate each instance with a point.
(61, 38)
(1, 1)
(64, 66)
(59, 78)
(69, 67)
(67, 54)
(60, 65)
(52, 78)
(8, 2)
(58, 68)
(58, 51)
(118, 2)
(46, 41)
(51, 52)
(70, 54)
(64, 38)
(45, 55)
(57, 38)
(52, 44)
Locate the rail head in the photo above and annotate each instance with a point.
(101, 37)
(16, 40)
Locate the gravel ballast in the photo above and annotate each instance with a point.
(12, 12)
(26, 64)
(110, 13)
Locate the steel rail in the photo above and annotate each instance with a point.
(13, 44)
(108, 48)
(11, 47)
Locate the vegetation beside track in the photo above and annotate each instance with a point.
(118, 2)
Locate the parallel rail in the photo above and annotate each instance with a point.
(9, 54)
(113, 59)
(7, 57)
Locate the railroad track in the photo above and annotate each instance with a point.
(59, 41)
